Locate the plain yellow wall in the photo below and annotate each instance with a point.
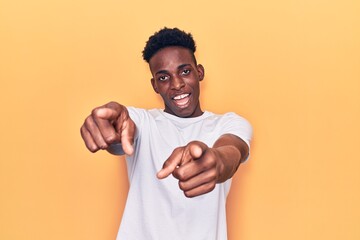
(291, 67)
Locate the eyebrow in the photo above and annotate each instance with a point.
(179, 67)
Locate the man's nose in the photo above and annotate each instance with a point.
(177, 83)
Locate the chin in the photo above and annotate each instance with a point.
(187, 113)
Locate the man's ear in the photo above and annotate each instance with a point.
(201, 71)
(153, 85)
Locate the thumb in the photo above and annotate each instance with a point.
(197, 149)
(128, 130)
(110, 111)
(107, 113)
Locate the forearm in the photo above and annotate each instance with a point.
(231, 151)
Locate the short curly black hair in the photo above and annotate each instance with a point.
(167, 37)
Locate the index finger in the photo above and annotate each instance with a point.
(193, 166)
(171, 163)
(104, 119)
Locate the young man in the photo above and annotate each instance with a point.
(200, 149)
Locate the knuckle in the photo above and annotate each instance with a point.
(209, 161)
(178, 150)
(188, 195)
(211, 185)
(180, 174)
(203, 165)
(212, 175)
(88, 121)
(110, 138)
(210, 156)
(93, 149)
(104, 146)
(95, 111)
(182, 185)
(176, 174)
(82, 130)
(166, 164)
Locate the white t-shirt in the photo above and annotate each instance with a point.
(157, 209)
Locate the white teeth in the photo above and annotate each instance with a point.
(181, 96)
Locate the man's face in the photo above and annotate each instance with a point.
(176, 78)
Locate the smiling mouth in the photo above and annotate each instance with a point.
(182, 100)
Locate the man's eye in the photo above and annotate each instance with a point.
(163, 78)
(185, 72)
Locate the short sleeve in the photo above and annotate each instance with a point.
(237, 125)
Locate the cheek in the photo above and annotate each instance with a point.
(163, 96)
(159, 89)
(196, 87)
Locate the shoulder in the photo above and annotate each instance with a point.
(140, 115)
(233, 123)
(229, 117)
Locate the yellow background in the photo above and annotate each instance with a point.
(290, 67)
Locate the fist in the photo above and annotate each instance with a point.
(106, 125)
(196, 166)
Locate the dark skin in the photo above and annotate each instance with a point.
(176, 78)
(175, 74)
